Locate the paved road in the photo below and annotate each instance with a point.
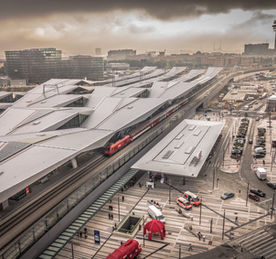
(246, 172)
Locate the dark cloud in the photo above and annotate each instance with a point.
(161, 9)
(257, 17)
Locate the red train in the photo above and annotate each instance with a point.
(113, 148)
(128, 250)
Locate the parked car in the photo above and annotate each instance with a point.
(262, 147)
(259, 155)
(183, 203)
(260, 150)
(258, 192)
(227, 195)
(271, 185)
(253, 196)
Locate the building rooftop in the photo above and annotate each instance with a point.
(184, 150)
(61, 118)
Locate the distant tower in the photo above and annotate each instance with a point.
(274, 29)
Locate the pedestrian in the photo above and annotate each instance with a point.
(236, 219)
(140, 185)
(263, 162)
(203, 238)
(239, 191)
(199, 235)
(123, 198)
(80, 234)
(85, 236)
(85, 230)
(108, 215)
(190, 248)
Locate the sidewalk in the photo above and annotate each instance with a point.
(229, 165)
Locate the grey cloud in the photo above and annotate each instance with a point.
(161, 9)
(140, 29)
(258, 16)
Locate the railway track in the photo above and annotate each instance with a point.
(43, 200)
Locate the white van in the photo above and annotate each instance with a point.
(156, 213)
(261, 173)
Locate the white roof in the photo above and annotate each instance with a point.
(43, 156)
(124, 91)
(184, 150)
(155, 73)
(117, 113)
(4, 94)
(272, 98)
(176, 89)
(51, 124)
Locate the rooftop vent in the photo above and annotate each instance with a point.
(197, 132)
(167, 154)
(179, 144)
(189, 150)
(179, 136)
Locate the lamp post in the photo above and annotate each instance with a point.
(119, 208)
(247, 191)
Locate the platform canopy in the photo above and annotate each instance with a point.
(184, 150)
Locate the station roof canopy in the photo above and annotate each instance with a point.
(184, 150)
(62, 118)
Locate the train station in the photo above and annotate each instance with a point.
(86, 160)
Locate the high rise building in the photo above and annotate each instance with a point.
(40, 65)
(256, 49)
(34, 65)
(82, 66)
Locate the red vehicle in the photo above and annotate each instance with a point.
(253, 196)
(193, 198)
(183, 203)
(128, 250)
(117, 146)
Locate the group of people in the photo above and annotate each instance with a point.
(83, 233)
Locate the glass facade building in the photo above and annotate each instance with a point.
(34, 65)
(40, 65)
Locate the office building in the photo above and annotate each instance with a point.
(34, 65)
(81, 66)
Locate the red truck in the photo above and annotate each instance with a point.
(128, 250)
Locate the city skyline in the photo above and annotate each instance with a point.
(177, 27)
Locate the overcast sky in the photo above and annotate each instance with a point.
(78, 27)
